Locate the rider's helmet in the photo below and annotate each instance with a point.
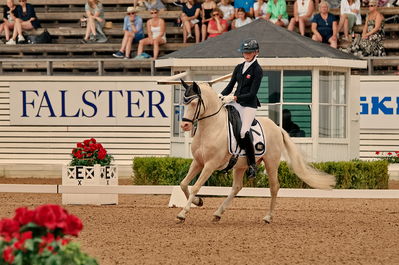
(249, 45)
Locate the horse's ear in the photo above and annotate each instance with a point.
(196, 88)
(186, 86)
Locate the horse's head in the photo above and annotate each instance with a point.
(192, 101)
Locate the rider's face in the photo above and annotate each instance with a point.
(249, 56)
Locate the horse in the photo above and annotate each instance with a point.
(209, 148)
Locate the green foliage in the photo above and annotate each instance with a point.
(350, 175)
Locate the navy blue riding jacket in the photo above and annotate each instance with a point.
(248, 85)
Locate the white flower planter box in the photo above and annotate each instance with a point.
(90, 176)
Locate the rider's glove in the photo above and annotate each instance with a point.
(228, 99)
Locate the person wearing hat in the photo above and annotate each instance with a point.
(248, 75)
(133, 33)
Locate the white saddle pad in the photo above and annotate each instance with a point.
(259, 141)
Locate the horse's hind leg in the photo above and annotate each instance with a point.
(237, 186)
(272, 171)
(204, 176)
(195, 168)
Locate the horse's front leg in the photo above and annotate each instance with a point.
(205, 174)
(195, 168)
(237, 186)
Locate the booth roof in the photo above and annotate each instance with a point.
(274, 42)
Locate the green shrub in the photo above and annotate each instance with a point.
(350, 175)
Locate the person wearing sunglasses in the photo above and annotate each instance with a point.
(132, 33)
(25, 20)
(303, 15)
(95, 22)
(8, 19)
(156, 35)
(217, 25)
(370, 43)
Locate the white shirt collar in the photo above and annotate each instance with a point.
(248, 64)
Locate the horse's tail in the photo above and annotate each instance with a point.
(311, 176)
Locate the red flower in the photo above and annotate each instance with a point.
(23, 215)
(377, 153)
(99, 146)
(9, 227)
(79, 145)
(86, 142)
(73, 225)
(101, 153)
(8, 255)
(389, 153)
(93, 140)
(51, 216)
(78, 154)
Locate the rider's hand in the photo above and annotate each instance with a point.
(228, 99)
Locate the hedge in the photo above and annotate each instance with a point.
(354, 174)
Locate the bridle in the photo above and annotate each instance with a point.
(196, 119)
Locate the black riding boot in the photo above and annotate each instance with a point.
(250, 153)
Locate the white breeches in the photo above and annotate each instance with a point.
(247, 116)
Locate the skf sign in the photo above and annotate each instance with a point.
(89, 103)
(379, 105)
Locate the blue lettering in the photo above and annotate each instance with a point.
(110, 100)
(137, 103)
(379, 105)
(63, 106)
(397, 105)
(45, 103)
(89, 103)
(364, 106)
(157, 105)
(24, 101)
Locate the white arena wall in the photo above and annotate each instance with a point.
(38, 129)
(39, 146)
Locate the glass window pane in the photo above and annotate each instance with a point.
(332, 87)
(297, 86)
(338, 86)
(324, 87)
(332, 121)
(270, 87)
(273, 112)
(297, 120)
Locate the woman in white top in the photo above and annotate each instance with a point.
(350, 14)
(260, 8)
(303, 14)
(241, 19)
(156, 35)
(228, 11)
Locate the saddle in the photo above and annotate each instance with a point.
(234, 128)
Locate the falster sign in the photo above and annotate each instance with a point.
(89, 103)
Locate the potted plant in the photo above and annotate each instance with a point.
(90, 166)
(41, 236)
(393, 160)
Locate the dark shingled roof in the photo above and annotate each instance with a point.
(274, 41)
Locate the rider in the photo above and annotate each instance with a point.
(248, 75)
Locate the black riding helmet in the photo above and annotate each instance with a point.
(249, 45)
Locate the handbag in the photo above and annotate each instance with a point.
(44, 37)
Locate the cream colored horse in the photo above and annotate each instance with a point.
(210, 151)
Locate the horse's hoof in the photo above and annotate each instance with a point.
(200, 202)
(216, 219)
(267, 219)
(180, 219)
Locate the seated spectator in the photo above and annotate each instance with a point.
(154, 4)
(260, 9)
(95, 22)
(241, 19)
(291, 127)
(247, 5)
(206, 15)
(227, 10)
(303, 15)
(370, 43)
(277, 12)
(324, 26)
(25, 20)
(217, 25)
(8, 19)
(156, 35)
(132, 32)
(350, 14)
(190, 19)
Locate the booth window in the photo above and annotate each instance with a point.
(333, 105)
(287, 97)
